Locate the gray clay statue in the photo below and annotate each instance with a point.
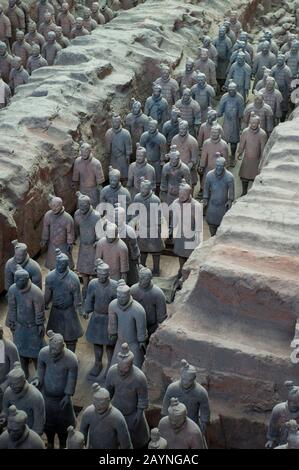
(206, 66)
(188, 77)
(157, 442)
(240, 73)
(114, 252)
(155, 144)
(262, 110)
(6, 62)
(293, 436)
(214, 146)
(42, 7)
(273, 98)
(16, 18)
(224, 48)
(35, 61)
(9, 355)
(190, 111)
(172, 174)
(119, 147)
(22, 258)
(171, 127)
(66, 20)
(5, 27)
(136, 122)
(75, 439)
(79, 30)
(156, 106)
(203, 94)
(18, 435)
(283, 77)
(264, 58)
(51, 48)
(115, 192)
(33, 36)
(170, 87)
(21, 48)
(18, 75)
(187, 146)
(140, 169)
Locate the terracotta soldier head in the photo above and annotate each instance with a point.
(254, 122)
(293, 396)
(119, 215)
(16, 379)
(116, 121)
(102, 270)
(75, 439)
(20, 36)
(48, 17)
(186, 96)
(62, 261)
(101, 398)
(201, 80)
(240, 58)
(215, 133)
(84, 202)
(125, 360)
(55, 204)
(145, 187)
(79, 23)
(123, 293)
(85, 150)
(56, 344)
(165, 72)
(111, 232)
(188, 375)
(204, 54)
(3, 48)
(12, 3)
(189, 65)
(157, 90)
(21, 278)
(51, 37)
(152, 126)
(16, 423)
(145, 276)
(136, 107)
(206, 42)
(177, 413)
(294, 47)
(65, 7)
(155, 437)
(270, 83)
(265, 47)
(233, 17)
(175, 114)
(95, 7)
(21, 252)
(232, 88)
(220, 166)
(281, 60)
(17, 63)
(258, 99)
(211, 116)
(268, 35)
(185, 192)
(183, 128)
(222, 32)
(35, 50)
(87, 14)
(58, 32)
(32, 27)
(140, 154)
(114, 177)
(174, 156)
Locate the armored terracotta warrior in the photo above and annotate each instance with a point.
(268, 36)
(114, 252)
(17, 19)
(203, 94)
(204, 132)
(25, 317)
(51, 48)
(22, 258)
(5, 94)
(115, 192)
(9, 355)
(62, 40)
(288, 40)
(42, 7)
(58, 232)
(127, 323)
(96, 13)
(100, 293)
(152, 299)
(281, 414)
(206, 66)
(264, 58)
(170, 87)
(35, 61)
(78, 29)
(172, 174)
(47, 26)
(292, 58)
(180, 431)
(171, 127)
(187, 224)
(224, 48)
(229, 32)
(33, 37)
(140, 169)
(25, 397)
(273, 98)
(235, 24)
(18, 435)
(107, 12)
(128, 389)
(241, 48)
(136, 122)
(293, 436)
(190, 111)
(211, 149)
(192, 394)
(86, 219)
(248, 47)
(18, 75)
(5, 27)
(219, 194)
(157, 442)
(156, 106)
(155, 144)
(88, 22)
(119, 147)
(88, 174)
(240, 74)
(150, 225)
(283, 76)
(252, 144)
(66, 20)
(262, 83)
(5, 62)
(75, 439)
(62, 290)
(212, 51)
(57, 377)
(21, 48)
(103, 425)
(188, 77)
(262, 110)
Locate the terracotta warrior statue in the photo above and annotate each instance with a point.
(17, 19)
(157, 442)
(229, 32)
(140, 169)
(204, 132)
(103, 425)
(204, 94)
(78, 29)
(114, 192)
(241, 48)
(240, 74)
(127, 323)
(128, 389)
(171, 127)
(42, 7)
(75, 439)
(170, 87)
(180, 431)
(51, 48)
(211, 150)
(235, 24)
(21, 48)
(156, 106)
(22, 258)
(262, 110)
(262, 83)
(283, 77)
(192, 394)
(24, 396)
(172, 174)
(252, 143)
(268, 36)
(57, 377)
(18, 435)
(62, 40)
(119, 147)
(206, 66)
(152, 299)
(136, 122)
(47, 25)
(88, 22)
(155, 144)
(35, 61)
(293, 436)
(100, 293)
(33, 36)
(219, 194)
(66, 20)
(5, 62)
(5, 27)
(264, 58)
(25, 317)
(96, 13)
(8, 356)
(190, 111)
(149, 221)
(88, 175)
(243, 37)
(58, 232)
(207, 43)
(18, 75)
(224, 48)
(273, 98)
(292, 58)
(188, 77)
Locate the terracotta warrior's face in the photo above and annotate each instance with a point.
(20, 255)
(215, 134)
(254, 123)
(114, 181)
(136, 108)
(123, 297)
(259, 101)
(145, 189)
(17, 63)
(95, 7)
(189, 67)
(220, 167)
(84, 206)
(3, 49)
(116, 122)
(56, 206)
(124, 366)
(157, 91)
(186, 96)
(35, 50)
(140, 156)
(293, 402)
(152, 127)
(17, 383)
(65, 7)
(165, 74)
(184, 194)
(183, 129)
(101, 404)
(102, 275)
(145, 279)
(56, 347)
(15, 429)
(62, 265)
(187, 379)
(177, 420)
(85, 152)
(212, 117)
(20, 36)
(21, 281)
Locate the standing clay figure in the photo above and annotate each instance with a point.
(265, 58)
(155, 144)
(229, 32)
(273, 98)
(262, 83)
(171, 127)
(107, 12)
(33, 37)
(128, 389)
(58, 232)
(18, 435)
(207, 67)
(252, 144)
(62, 290)
(219, 194)
(290, 38)
(25, 397)
(21, 48)
(5, 27)
(172, 174)
(86, 219)
(267, 36)
(79, 30)
(66, 20)
(261, 109)
(35, 61)
(100, 293)
(211, 150)
(157, 442)
(150, 236)
(193, 395)
(136, 122)
(206, 127)
(127, 323)
(140, 169)
(187, 146)
(114, 252)
(241, 48)
(170, 87)
(62, 40)
(103, 425)
(243, 37)
(203, 94)
(240, 74)
(42, 7)
(292, 59)
(224, 48)
(9, 355)
(96, 14)
(18, 75)
(293, 436)
(47, 26)
(75, 439)
(25, 317)
(283, 76)
(156, 106)
(231, 106)
(22, 258)
(115, 192)
(57, 377)
(17, 19)
(51, 48)
(88, 22)
(119, 147)
(281, 414)
(152, 299)
(5, 62)
(188, 78)
(190, 111)
(88, 175)
(235, 24)
(187, 224)
(180, 431)
(212, 50)
(22, 5)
